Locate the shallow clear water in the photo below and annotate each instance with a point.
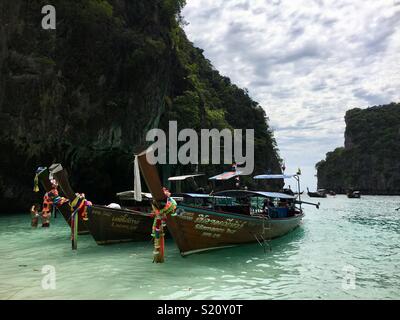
(349, 249)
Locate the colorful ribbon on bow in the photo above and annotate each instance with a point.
(80, 204)
(160, 222)
(52, 198)
(36, 179)
(78, 210)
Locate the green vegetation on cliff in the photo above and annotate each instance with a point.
(205, 99)
(370, 159)
(86, 93)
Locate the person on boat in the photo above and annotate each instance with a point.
(234, 166)
(166, 192)
(237, 178)
(271, 203)
(268, 203)
(268, 208)
(283, 203)
(35, 215)
(265, 206)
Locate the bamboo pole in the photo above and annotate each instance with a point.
(74, 230)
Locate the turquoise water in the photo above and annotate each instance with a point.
(353, 239)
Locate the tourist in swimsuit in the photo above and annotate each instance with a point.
(35, 215)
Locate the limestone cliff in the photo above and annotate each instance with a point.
(370, 159)
(86, 93)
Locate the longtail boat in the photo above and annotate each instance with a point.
(61, 176)
(65, 209)
(320, 193)
(226, 218)
(231, 218)
(354, 194)
(110, 225)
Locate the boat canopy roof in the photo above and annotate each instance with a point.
(274, 176)
(129, 195)
(181, 178)
(247, 193)
(198, 195)
(226, 175)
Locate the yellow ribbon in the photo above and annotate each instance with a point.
(36, 183)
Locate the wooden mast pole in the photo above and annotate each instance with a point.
(153, 182)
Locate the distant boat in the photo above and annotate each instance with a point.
(354, 194)
(320, 193)
(332, 193)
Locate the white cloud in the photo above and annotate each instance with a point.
(306, 62)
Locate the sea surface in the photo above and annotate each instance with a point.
(348, 249)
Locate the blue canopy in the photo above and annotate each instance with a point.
(274, 176)
(265, 194)
(198, 195)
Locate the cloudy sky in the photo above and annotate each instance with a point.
(305, 61)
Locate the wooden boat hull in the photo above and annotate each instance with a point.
(196, 230)
(64, 209)
(108, 225)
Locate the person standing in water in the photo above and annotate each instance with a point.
(35, 215)
(48, 204)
